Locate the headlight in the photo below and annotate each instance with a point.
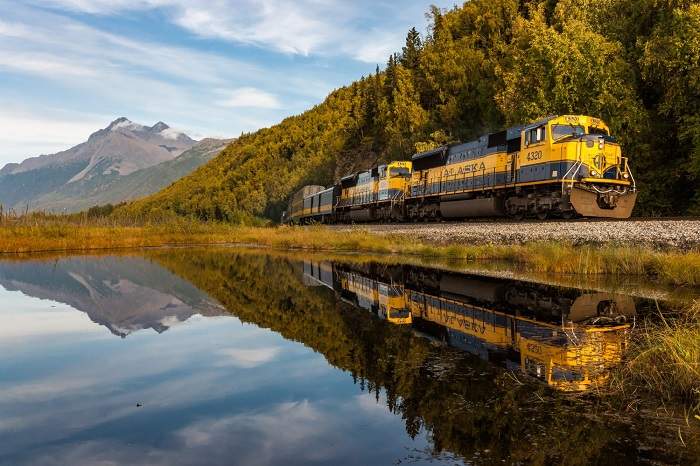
(625, 176)
(594, 173)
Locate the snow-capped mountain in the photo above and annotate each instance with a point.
(85, 175)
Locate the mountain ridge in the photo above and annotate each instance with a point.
(119, 162)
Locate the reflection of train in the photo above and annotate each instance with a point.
(386, 300)
(560, 166)
(565, 337)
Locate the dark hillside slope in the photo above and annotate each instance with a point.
(489, 63)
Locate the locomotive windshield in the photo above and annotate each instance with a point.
(400, 171)
(560, 132)
(399, 313)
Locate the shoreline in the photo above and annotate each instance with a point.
(661, 265)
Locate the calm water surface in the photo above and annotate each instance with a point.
(234, 357)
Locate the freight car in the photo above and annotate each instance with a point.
(561, 166)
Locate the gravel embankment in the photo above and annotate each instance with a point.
(677, 234)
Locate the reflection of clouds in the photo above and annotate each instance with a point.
(368, 404)
(247, 357)
(299, 432)
(23, 317)
(321, 431)
(100, 381)
(217, 391)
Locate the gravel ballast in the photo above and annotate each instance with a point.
(674, 234)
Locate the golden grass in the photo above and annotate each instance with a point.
(38, 233)
(663, 358)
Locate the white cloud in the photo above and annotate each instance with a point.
(296, 27)
(378, 47)
(171, 133)
(250, 97)
(13, 30)
(87, 68)
(248, 358)
(40, 134)
(303, 27)
(43, 64)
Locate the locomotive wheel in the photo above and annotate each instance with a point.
(542, 215)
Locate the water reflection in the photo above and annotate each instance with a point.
(567, 338)
(125, 294)
(282, 372)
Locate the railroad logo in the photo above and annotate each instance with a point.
(599, 161)
(465, 169)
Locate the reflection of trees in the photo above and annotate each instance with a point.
(468, 407)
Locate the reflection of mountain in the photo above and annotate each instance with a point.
(125, 294)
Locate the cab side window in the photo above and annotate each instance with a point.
(535, 135)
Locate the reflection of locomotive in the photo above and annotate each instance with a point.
(566, 337)
(561, 166)
(387, 300)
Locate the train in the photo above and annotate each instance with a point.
(559, 167)
(566, 338)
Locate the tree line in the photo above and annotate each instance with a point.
(481, 67)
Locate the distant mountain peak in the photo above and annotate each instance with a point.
(159, 127)
(124, 123)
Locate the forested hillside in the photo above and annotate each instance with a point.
(480, 67)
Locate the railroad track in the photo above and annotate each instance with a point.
(675, 233)
(529, 221)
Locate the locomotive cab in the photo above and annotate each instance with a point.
(579, 152)
(392, 304)
(394, 179)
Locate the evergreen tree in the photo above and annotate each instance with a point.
(410, 56)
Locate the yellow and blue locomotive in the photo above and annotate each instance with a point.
(561, 166)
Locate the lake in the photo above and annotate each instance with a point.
(239, 356)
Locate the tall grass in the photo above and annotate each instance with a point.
(40, 232)
(663, 358)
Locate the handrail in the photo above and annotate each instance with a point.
(577, 165)
(627, 169)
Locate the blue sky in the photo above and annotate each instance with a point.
(211, 68)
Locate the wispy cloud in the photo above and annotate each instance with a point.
(304, 27)
(250, 97)
(22, 131)
(272, 58)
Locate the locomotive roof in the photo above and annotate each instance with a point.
(442, 150)
(540, 122)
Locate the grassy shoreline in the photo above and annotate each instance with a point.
(668, 267)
